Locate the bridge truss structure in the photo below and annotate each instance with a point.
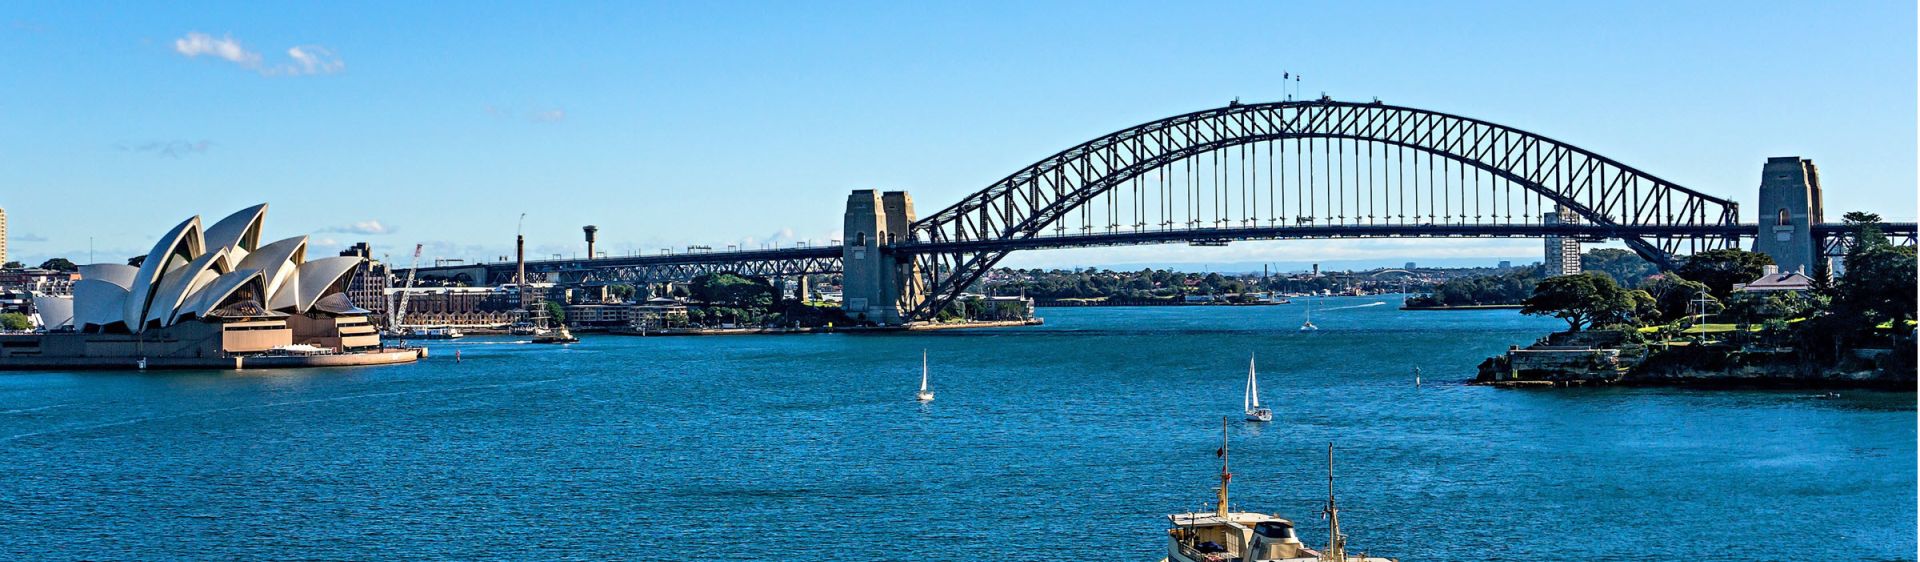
(1266, 170)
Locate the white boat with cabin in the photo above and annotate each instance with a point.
(1224, 535)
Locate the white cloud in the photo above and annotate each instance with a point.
(550, 116)
(369, 226)
(225, 48)
(305, 59)
(314, 59)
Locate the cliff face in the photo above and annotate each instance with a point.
(1722, 366)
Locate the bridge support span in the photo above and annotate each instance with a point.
(1790, 204)
(879, 285)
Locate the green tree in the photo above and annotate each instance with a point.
(59, 264)
(15, 321)
(556, 314)
(733, 291)
(1862, 218)
(1583, 300)
(1721, 269)
(12, 265)
(1674, 298)
(1758, 308)
(1626, 267)
(622, 291)
(1879, 278)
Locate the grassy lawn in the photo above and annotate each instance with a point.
(1711, 328)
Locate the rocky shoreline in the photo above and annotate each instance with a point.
(1609, 358)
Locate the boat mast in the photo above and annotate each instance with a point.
(1225, 476)
(1336, 543)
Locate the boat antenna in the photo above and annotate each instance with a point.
(1225, 476)
(1336, 542)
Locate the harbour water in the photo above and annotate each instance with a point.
(1068, 440)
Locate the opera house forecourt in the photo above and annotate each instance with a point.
(207, 297)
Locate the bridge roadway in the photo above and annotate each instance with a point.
(826, 259)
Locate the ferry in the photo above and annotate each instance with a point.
(1224, 535)
(426, 333)
(556, 335)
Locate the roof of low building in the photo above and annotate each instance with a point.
(1789, 281)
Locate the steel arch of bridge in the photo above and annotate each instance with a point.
(1601, 191)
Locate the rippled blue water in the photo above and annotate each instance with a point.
(1070, 440)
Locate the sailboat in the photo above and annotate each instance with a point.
(1255, 412)
(925, 395)
(1308, 326)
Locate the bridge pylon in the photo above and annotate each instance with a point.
(1790, 205)
(879, 285)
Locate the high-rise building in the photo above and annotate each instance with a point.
(1505, 264)
(1563, 252)
(3, 235)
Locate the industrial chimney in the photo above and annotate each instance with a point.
(591, 231)
(520, 267)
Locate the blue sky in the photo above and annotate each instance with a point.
(721, 123)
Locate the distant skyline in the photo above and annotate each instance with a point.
(669, 124)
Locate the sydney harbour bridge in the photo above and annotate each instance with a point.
(1262, 171)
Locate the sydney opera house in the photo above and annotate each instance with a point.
(207, 296)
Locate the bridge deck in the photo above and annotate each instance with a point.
(1203, 235)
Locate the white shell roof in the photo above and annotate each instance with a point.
(190, 271)
(317, 275)
(116, 273)
(278, 262)
(98, 303)
(239, 231)
(184, 239)
(214, 293)
(180, 282)
(55, 312)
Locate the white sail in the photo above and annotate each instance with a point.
(923, 372)
(1252, 400)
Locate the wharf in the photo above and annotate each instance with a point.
(827, 329)
(387, 356)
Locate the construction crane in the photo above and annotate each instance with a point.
(406, 290)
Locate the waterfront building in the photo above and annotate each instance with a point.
(204, 297)
(1776, 281)
(39, 281)
(16, 300)
(371, 278)
(1563, 252)
(466, 307)
(597, 316)
(656, 314)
